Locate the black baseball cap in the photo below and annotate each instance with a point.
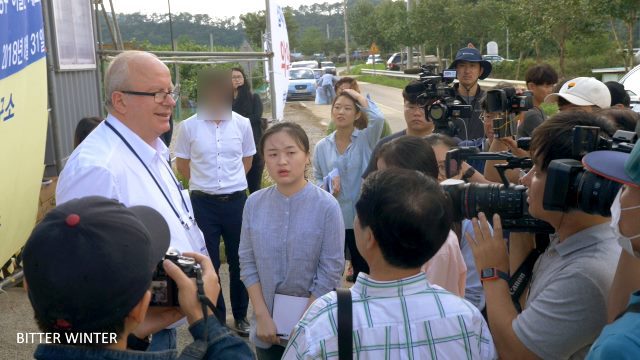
(90, 261)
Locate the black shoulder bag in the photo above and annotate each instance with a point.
(345, 324)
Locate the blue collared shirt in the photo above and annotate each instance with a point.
(352, 163)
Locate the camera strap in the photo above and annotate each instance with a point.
(521, 278)
(198, 349)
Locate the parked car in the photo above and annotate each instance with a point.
(310, 64)
(378, 59)
(318, 73)
(395, 62)
(296, 56)
(631, 82)
(324, 65)
(494, 59)
(302, 84)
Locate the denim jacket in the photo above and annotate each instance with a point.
(222, 345)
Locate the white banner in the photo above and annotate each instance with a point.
(280, 48)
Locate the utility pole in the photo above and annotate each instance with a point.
(508, 43)
(409, 48)
(346, 38)
(272, 80)
(175, 66)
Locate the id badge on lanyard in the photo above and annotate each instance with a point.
(196, 239)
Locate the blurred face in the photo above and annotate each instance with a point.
(468, 73)
(284, 159)
(343, 87)
(540, 91)
(237, 79)
(143, 114)
(215, 100)
(416, 119)
(344, 112)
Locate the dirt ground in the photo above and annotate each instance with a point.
(15, 309)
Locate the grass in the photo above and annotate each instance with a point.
(357, 69)
(399, 83)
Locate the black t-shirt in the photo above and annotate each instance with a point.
(532, 119)
(372, 161)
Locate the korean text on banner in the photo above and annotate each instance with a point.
(280, 48)
(23, 120)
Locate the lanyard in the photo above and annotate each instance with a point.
(184, 203)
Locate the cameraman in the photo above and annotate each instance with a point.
(470, 67)
(88, 267)
(620, 339)
(566, 306)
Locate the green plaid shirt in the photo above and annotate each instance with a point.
(402, 319)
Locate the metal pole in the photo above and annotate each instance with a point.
(272, 82)
(117, 27)
(175, 66)
(409, 48)
(96, 19)
(507, 43)
(346, 38)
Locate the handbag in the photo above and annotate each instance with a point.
(345, 324)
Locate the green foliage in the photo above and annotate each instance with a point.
(384, 24)
(255, 24)
(357, 69)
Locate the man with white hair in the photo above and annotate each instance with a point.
(124, 158)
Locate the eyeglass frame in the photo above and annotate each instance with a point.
(175, 94)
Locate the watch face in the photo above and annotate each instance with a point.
(488, 273)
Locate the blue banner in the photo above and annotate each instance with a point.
(21, 35)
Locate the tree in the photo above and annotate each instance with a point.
(627, 12)
(312, 41)
(255, 25)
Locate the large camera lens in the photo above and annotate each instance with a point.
(437, 111)
(596, 194)
(509, 202)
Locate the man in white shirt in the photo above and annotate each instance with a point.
(214, 151)
(124, 158)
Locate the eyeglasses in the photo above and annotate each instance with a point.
(412, 108)
(237, 77)
(159, 97)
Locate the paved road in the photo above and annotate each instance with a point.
(389, 101)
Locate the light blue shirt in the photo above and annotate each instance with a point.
(352, 163)
(291, 245)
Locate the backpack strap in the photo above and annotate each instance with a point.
(345, 324)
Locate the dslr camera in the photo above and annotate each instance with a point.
(164, 290)
(443, 107)
(507, 102)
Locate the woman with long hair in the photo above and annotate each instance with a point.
(340, 159)
(249, 105)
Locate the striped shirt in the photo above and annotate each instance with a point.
(401, 319)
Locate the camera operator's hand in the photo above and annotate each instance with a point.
(156, 319)
(488, 251)
(512, 145)
(266, 329)
(187, 289)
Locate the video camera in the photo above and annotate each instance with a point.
(507, 102)
(570, 186)
(164, 290)
(440, 101)
(508, 200)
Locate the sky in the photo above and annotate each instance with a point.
(215, 8)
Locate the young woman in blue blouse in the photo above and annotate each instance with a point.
(292, 240)
(340, 159)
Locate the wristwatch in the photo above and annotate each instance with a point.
(488, 274)
(468, 174)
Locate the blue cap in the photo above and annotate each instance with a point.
(616, 166)
(472, 55)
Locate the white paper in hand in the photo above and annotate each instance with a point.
(287, 311)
